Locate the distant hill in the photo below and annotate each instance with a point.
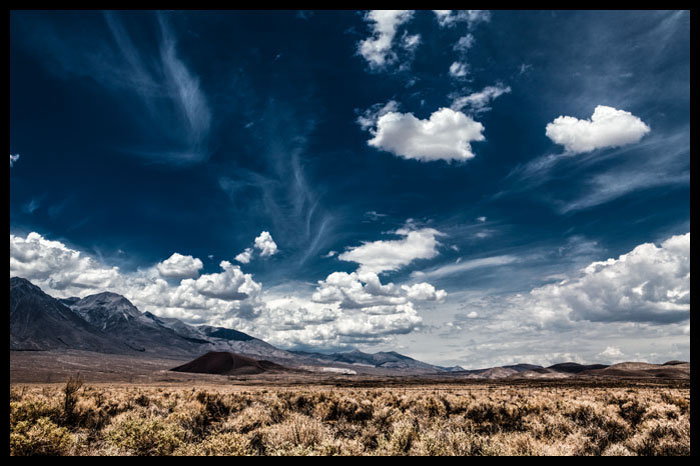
(225, 363)
(677, 370)
(575, 368)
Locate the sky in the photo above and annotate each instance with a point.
(472, 187)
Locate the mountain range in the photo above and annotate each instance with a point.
(109, 323)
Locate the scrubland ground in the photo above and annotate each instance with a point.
(100, 419)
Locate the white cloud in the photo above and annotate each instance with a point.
(481, 219)
(459, 69)
(345, 309)
(410, 42)
(330, 254)
(424, 292)
(266, 244)
(245, 256)
(446, 135)
(13, 159)
(478, 101)
(179, 267)
(648, 284)
(464, 43)
(50, 264)
(62, 272)
(231, 284)
(388, 255)
(377, 49)
(608, 127)
(369, 117)
(449, 18)
(611, 353)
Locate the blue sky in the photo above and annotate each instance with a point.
(465, 187)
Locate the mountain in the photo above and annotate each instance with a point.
(110, 323)
(114, 314)
(383, 360)
(40, 322)
(226, 363)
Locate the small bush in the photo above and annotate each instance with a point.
(39, 438)
(145, 436)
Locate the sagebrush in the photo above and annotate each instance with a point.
(78, 419)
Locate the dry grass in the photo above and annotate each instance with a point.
(79, 419)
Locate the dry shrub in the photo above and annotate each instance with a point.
(220, 444)
(143, 435)
(118, 420)
(297, 435)
(661, 437)
(39, 438)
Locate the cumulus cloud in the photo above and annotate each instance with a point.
(388, 255)
(424, 292)
(446, 135)
(62, 272)
(611, 353)
(607, 127)
(449, 18)
(245, 256)
(230, 285)
(179, 267)
(266, 244)
(13, 159)
(377, 49)
(347, 308)
(52, 265)
(478, 101)
(369, 117)
(410, 41)
(464, 43)
(648, 284)
(344, 309)
(459, 69)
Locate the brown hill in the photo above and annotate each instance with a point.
(225, 363)
(678, 370)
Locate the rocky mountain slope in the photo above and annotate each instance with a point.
(40, 322)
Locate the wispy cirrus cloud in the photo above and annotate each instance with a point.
(169, 110)
(464, 266)
(171, 93)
